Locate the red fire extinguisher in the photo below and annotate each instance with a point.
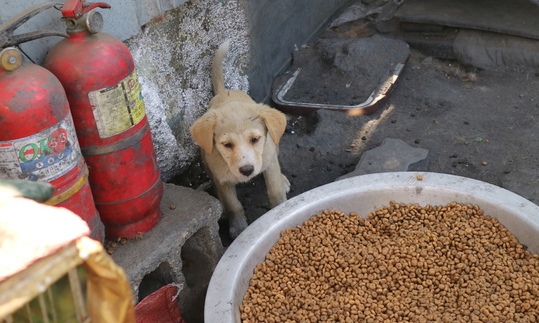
(98, 74)
(37, 135)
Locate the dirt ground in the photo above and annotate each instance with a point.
(475, 123)
(481, 124)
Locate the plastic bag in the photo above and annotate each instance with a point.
(160, 306)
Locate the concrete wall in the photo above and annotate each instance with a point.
(123, 20)
(173, 41)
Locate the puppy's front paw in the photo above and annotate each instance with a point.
(236, 226)
(286, 184)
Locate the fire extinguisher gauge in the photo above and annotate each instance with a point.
(10, 59)
(94, 22)
(91, 22)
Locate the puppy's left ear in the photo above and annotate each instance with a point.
(274, 120)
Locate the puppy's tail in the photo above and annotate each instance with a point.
(217, 77)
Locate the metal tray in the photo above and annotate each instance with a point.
(372, 63)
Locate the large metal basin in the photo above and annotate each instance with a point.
(361, 194)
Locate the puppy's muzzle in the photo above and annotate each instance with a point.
(247, 170)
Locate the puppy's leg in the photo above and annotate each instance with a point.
(276, 183)
(232, 207)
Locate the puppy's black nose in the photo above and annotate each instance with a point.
(247, 170)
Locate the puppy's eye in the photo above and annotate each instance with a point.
(254, 140)
(228, 145)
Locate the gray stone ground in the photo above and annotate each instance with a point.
(480, 124)
(394, 155)
(441, 117)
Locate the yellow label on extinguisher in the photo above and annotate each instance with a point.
(118, 108)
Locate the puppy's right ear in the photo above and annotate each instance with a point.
(202, 131)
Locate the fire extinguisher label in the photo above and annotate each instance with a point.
(44, 156)
(118, 108)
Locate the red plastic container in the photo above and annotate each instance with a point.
(98, 74)
(38, 140)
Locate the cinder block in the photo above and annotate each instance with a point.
(183, 248)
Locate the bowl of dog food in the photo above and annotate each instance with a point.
(403, 246)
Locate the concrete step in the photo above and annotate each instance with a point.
(183, 249)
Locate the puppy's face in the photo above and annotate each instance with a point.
(239, 138)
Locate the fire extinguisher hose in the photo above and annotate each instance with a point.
(65, 195)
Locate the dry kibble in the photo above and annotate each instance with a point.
(402, 262)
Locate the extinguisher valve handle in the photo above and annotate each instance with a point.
(77, 8)
(8, 28)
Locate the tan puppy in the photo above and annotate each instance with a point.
(239, 139)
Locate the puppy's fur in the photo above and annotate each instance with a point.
(239, 140)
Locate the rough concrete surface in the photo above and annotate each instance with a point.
(475, 123)
(173, 57)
